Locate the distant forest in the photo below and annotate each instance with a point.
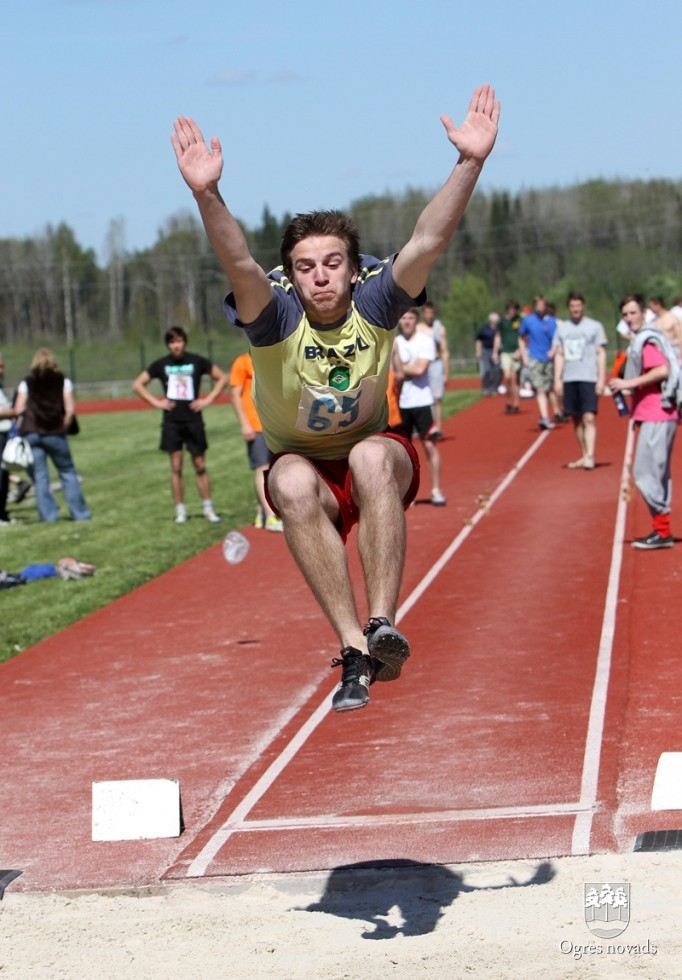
(602, 238)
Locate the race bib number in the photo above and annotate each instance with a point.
(180, 387)
(327, 411)
(574, 348)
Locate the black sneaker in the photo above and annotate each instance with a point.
(654, 540)
(356, 676)
(388, 648)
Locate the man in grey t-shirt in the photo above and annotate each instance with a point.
(579, 350)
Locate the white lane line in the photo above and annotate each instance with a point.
(391, 819)
(201, 862)
(467, 529)
(199, 865)
(582, 829)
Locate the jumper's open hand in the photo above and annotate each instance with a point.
(200, 166)
(476, 136)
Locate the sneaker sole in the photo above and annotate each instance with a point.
(389, 650)
(653, 547)
(351, 706)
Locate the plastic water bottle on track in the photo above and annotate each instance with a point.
(235, 547)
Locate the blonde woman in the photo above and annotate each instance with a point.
(46, 405)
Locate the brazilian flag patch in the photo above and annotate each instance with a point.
(339, 378)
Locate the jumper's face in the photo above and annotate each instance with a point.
(407, 324)
(176, 345)
(633, 315)
(323, 275)
(576, 308)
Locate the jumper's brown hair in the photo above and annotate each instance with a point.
(334, 223)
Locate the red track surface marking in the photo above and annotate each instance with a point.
(487, 748)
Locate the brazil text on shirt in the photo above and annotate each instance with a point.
(321, 389)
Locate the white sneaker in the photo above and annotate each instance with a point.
(181, 517)
(211, 516)
(437, 499)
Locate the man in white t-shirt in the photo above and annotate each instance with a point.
(439, 369)
(579, 350)
(414, 351)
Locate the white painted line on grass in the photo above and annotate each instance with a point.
(595, 728)
(234, 822)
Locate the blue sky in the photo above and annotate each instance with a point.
(317, 105)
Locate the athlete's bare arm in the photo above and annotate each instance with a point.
(201, 168)
(437, 222)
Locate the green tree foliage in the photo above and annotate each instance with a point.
(464, 311)
(602, 238)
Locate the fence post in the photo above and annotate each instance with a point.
(143, 359)
(72, 364)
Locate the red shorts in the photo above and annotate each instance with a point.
(335, 473)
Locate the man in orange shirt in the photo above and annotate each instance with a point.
(241, 377)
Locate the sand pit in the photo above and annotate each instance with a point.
(501, 920)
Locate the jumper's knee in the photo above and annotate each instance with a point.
(295, 487)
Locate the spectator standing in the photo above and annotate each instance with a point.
(510, 355)
(439, 369)
(487, 354)
(415, 351)
(666, 321)
(537, 333)
(8, 416)
(651, 374)
(180, 373)
(46, 405)
(241, 380)
(579, 352)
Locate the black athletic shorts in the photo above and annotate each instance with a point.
(580, 397)
(175, 435)
(419, 420)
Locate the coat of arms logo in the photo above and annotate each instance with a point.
(607, 908)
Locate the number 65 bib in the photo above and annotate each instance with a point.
(327, 411)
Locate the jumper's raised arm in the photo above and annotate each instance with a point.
(435, 226)
(202, 168)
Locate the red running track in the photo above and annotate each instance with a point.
(528, 723)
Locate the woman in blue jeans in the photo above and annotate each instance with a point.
(46, 405)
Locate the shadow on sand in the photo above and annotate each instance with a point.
(379, 892)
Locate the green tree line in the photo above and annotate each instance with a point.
(603, 238)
